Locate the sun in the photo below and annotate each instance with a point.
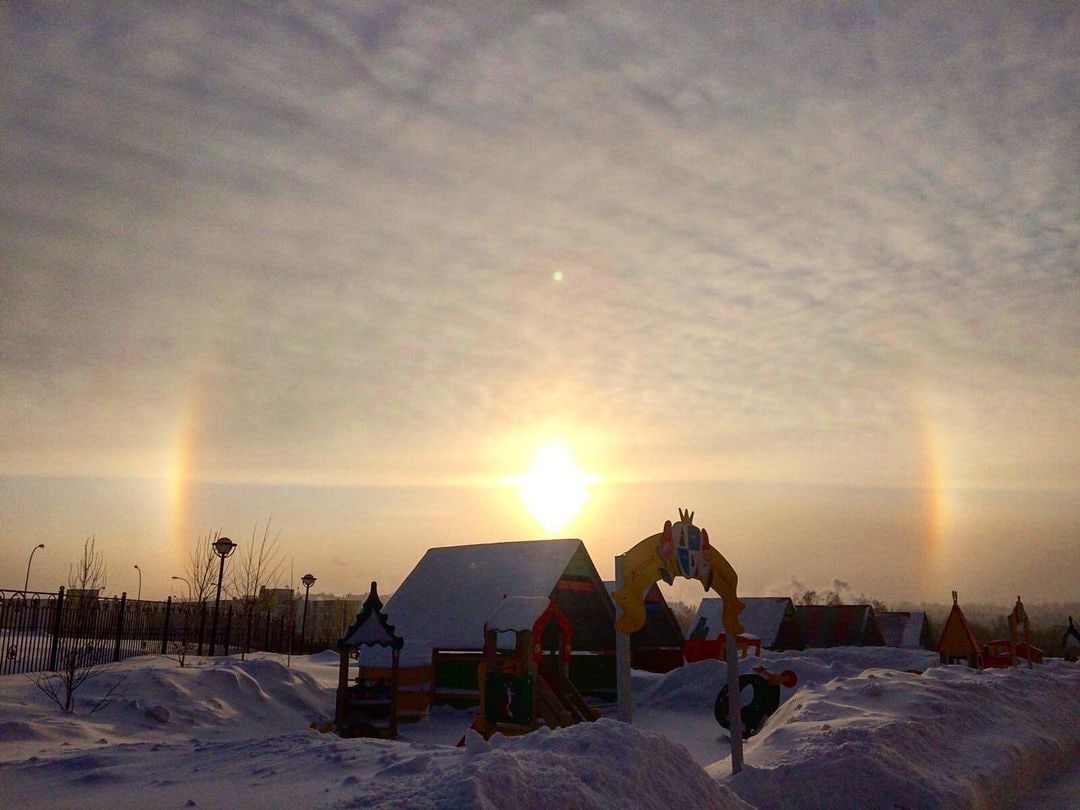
(554, 488)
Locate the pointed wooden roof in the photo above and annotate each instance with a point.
(957, 637)
(371, 628)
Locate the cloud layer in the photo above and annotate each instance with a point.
(790, 238)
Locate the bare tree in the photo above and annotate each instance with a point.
(188, 615)
(87, 574)
(257, 567)
(81, 655)
(200, 570)
(684, 614)
(201, 566)
(809, 597)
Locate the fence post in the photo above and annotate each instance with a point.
(120, 626)
(56, 629)
(247, 632)
(202, 624)
(266, 635)
(165, 631)
(228, 629)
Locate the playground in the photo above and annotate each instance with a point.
(858, 725)
(855, 726)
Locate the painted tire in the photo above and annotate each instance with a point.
(765, 701)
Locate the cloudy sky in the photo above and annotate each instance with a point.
(810, 270)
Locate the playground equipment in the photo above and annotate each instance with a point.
(958, 644)
(529, 686)
(367, 706)
(1004, 652)
(765, 699)
(702, 649)
(681, 549)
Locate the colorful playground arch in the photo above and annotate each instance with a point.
(681, 549)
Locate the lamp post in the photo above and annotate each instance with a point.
(138, 597)
(223, 547)
(186, 583)
(308, 580)
(27, 583)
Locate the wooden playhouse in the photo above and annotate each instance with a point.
(379, 694)
(957, 644)
(444, 603)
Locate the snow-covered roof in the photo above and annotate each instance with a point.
(517, 613)
(902, 628)
(761, 617)
(371, 631)
(371, 627)
(454, 590)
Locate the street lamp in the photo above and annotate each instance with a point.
(138, 597)
(188, 586)
(308, 580)
(223, 547)
(32, 553)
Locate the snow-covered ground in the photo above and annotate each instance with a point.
(859, 730)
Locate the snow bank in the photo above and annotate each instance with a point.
(859, 731)
(952, 737)
(592, 765)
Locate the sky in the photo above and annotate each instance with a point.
(808, 270)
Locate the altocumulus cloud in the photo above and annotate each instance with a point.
(784, 232)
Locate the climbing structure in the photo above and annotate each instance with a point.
(528, 685)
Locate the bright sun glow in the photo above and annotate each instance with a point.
(554, 489)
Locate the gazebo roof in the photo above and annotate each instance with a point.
(957, 637)
(371, 628)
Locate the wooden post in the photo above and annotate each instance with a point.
(57, 624)
(202, 625)
(119, 626)
(342, 689)
(165, 629)
(394, 693)
(228, 631)
(623, 682)
(734, 701)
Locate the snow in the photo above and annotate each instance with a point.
(371, 632)
(517, 613)
(902, 628)
(858, 729)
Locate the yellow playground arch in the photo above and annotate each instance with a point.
(680, 550)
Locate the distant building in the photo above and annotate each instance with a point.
(275, 598)
(657, 646)
(905, 629)
(840, 626)
(327, 619)
(771, 618)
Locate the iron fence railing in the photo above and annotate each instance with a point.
(39, 630)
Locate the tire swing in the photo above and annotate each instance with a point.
(766, 699)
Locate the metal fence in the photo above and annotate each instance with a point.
(38, 630)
